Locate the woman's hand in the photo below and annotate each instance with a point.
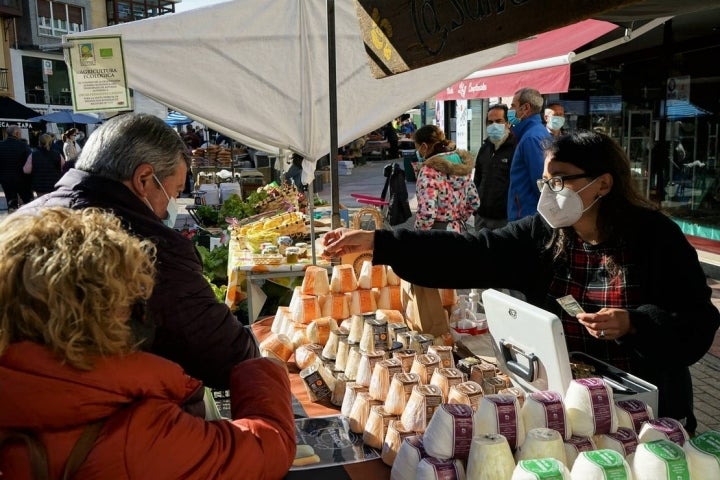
(344, 240)
(607, 324)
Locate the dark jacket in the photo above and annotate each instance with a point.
(13, 154)
(492, 177)
(527, 166)
(193, 328)
(675, 321)
(45, 170)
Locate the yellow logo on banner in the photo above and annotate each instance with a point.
(381, 34)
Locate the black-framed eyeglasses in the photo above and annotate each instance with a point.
(557, 183)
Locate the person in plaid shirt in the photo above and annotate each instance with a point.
(594, 237)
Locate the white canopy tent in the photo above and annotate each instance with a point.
(257, 71)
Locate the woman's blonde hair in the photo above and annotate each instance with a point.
(45, 141)
(70, 280)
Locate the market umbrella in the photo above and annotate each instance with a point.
(175, 119)
(66, 116)
(12, 111)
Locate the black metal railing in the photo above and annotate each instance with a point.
(3, 79)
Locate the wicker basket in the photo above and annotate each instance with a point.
(259, 259)
(373, 213)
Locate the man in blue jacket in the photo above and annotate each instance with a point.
(528, 160)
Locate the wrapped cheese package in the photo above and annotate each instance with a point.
(703, 455)
(546, 409)
(315, 281)
(282, 315)
(396, 433)
(411, 451)
(501, 414)
(367, 365)
(343, 279)
(467, 393)
(336, 305)
(445, 378)
(624, 441)
(431, 468)
(406, 357)
(450, 431)
(574, 446)
(540, 468)
(590, 407)
(663, 428)
(318, 330)
(445, 352)
(601, 465)
(490, 457)
(421, 406)
(277, 346)
(382, 374)
(661, 460)
(360, 411)
(363, 301)
(401, 387)
(389, 297)
(351, 391)
(633, 413)
(542, 442)
(376, 427)
(375, 335)
(306, 355)
(424, 365)
(315, 385)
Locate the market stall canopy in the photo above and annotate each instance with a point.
(175, 119)
(541, 62)
(406, 34)
(260, 75)
(15, 113)
(66, 116)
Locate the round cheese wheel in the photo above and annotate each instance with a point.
(501, 414)
(450, 431)
(663, 428)
(574, 446)
(411, 451)
(660, 460)
(600, 465)
(624, 441)
(703, 455)
(546, 409)
(490, 458)
(633, 413)
(540, 469)
(542, 442)
(590, 407)
(431, 468)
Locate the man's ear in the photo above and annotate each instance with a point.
(142, 178)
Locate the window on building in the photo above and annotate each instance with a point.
(57, 18)
(121, 11)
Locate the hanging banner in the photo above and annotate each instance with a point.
(97, 74)
(461, 130)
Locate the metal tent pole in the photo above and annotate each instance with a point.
(332, 100)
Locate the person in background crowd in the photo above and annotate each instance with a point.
(13, 155)
(554, 118)
(44, 165)
(527, 162)
(390, 135)
(57, 144)
(74, 384)
(294, 173)
(595, 237)
(446, 194)
(71, 150)
(192, 139)
(139, 181)
(407, 126)
(492, 170)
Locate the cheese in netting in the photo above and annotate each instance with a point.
(351, 391)
(703, 455)
(450, 431)
(401, 387)
(540, 469)
(421, 406)
(363, 301)
(431, 468)
(546, 409)
(624, 441)
(277, 346)
(663, 428)
(445, 378)
(396, 433)
(501, 414)
(468, 393)
(376, 427)
(315, 281)
(411, 451)
(282, 314)
(343, 279)
(360, 411)
(367, 365)
(590, 407)
(633, 413)
(574, 446)
(490, 458)
(336, 305)
(318, 330)
(661, 460)
(382, 373)
(542, 442)
(600, 465)
(424, 365)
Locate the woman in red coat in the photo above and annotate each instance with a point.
(74, 387)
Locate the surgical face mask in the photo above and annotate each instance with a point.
(512, 118)
(172, 209)
(418, 156)
(556, 123)
(563, 208)
(496, 131)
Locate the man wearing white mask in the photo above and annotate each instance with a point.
(554, 118)
(492, 169)
(135, 166)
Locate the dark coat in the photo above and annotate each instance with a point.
(13, 154)
(492, 177)
(193, 328)
(45, 170)
(675, 322)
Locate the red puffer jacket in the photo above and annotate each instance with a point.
(146, 433)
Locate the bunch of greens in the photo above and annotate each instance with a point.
(219, 291)
(207, 215)
(234, 207)
(215, 263)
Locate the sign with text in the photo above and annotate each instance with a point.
(97, 73)
(408, 34)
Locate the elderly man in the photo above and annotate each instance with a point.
(554, 118)
(529, 158)
(13, 154)
(135, 166)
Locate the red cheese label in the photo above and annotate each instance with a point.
(554, 410)
(600, 402)
(671, 428)
(462, 428)
(444, 469)
(506, 417)
(637, 410)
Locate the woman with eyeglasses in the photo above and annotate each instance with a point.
(595, 238)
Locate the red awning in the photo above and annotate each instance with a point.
(541, 62)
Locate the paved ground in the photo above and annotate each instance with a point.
(368, 179)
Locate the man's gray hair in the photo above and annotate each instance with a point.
(531, 96)
(125, 142)
(12, 130)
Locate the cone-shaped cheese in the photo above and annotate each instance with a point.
(307, 355)
(368, 360)
(490, 457)
(336, 305)
(406, 357)
(542, 442)
(421, 406)
(624, 441)
(411, 451)
(362, 301)
(372, 276)
(382, 374)
(424, 365)
(392, 278)
(393, 440)
(468, 393)
(431, 468)
(398, 394)
(445, 353)
(281, 316)
(353, 362)
(450, 431)
(307, 309)
(501, 414)
(633, 413)
(546, 409)
(390, 315)
(297, 293)
(663, 428)
(703, 455)
(601, 464)
(357, 325)
(318, 330)
(331, 346)
(376, 427)
(445, 378)
(540, 468)
(374, 336)
(351, 391)
(360, 411)
(590, 407)
(343, 279)
(389, 297)
(315, 281)
(661, 460)
(574, 446)
(277, 346)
